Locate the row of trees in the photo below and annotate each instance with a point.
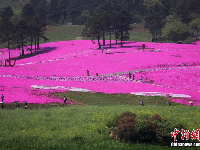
(108, 21)
(175, 20)
(64, 11)
(29, 29)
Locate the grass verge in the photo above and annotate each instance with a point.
(81, 127)
(86, 127)
(102, 99)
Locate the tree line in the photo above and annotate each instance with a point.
(29, 29)
(175, 20)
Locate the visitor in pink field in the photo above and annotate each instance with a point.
(2, 98)
(102, 49)
(141, 78)
(129, 75)
(65, 100)
(157, 103)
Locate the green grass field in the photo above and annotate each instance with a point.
(63, 33)
(102, 99)
(86, 127)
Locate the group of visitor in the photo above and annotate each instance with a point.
(130, 76)
(142, 103)
(65, 102)
(25, 103)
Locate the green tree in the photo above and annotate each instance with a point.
(154, 17)
(176, 31)
(185, 9)
(83, 17)
(31, 30)
(21, 33)
(6, 26)
(195, 26)
(6, 13)
(93, 28)
(123, 24)
(115, 25)
(152, 5)
(34, 21)
(28, 13)
(138, 10)
(101, 15)
(154, 23)
(6, 32)
(62, 7)
(40, 8)
(53, 9)
(39, 26)
(109, 17)
(74, 11)
(103, 21)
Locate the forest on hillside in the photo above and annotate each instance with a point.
(175, 20)
(62, 11)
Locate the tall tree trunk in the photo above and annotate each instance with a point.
(110, 37)
(116, 36)
(104, 40)
(153, 37)
(99, 42)
(121, 38)
(35, 43)
(9, 47)
(156, 36)
(22, 47)
(38, 42)
(31, 44)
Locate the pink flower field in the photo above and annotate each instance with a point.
(170, 70)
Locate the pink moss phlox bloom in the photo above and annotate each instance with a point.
(167, 69)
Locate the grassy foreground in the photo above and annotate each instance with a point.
(83, 127)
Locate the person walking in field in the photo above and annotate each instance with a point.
(2, 98)
(88, 73)
(65, 101)
(157, 103)
(133, 77)
(25, 105)
(129, 75)
(102, 49)
(141, 78)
